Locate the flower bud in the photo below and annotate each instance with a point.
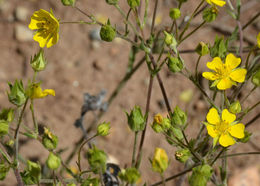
(160, 124)
(112, 2)
(17, 94)
(130, 175)
(4, 127)
(49, 140)
(210, 14)
(68, 2)
(179, 117)
(136, 120)
(34, 170)
(202, 49)
(38, 63)
(169, 39)
(53, 161)
(103, 129)
(175, 13)
(160, 160)
(107, 32)
(175, 64)
(97, 160)
(256, 78)
(7, 115)
(200, 175)
(182, 155)
(133, 3)
(235, 107)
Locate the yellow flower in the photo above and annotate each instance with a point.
(258, 39)
(160, 160)
(225, 128)
(47, 27)
(216, 2)
(158, 118)
(227, 74)
(37, 92)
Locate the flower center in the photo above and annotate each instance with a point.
(222, 127)
(223, 72)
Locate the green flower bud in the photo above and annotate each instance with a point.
(107, 32)
(38, 63)
(112, 2)
(49, 140)
(133, 3)
(32, 174)
(103, 129)
(68, 2)
(210, 14)
(200, 175)
(160, 160)
(3, 170)
(202, 49)
(169, 39)
(256, 78)
(179, 117)
(235, 107)
(182, 155)
(175, 64)
(17, 94)
(91, 181)
(4, 127)
(53, 161)
(130, 175)
(175, 13)
(7, 115)
(160, 124)
(97, 160)
(136, 120)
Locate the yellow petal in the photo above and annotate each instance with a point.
(258, 39)
(224, 84)
(237, 130)
(209, 1)
(215, 64)
(41, 38)
(53, 40)
(219, 2)
(211, 131)
(209, 75)
(226, 140)
(213, 117)
(238, 75)
(227, 116)
(232, 61)
(47, 92)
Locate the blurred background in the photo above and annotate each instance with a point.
(81, 63)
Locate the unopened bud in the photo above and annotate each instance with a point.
(107, 32)
(133, 3)
(53, 161)
(103, 129)
(202, 49)
(38, 63)
(175, 13)
(235, 107)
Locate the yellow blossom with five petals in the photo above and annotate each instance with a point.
(47, 27)
(225, 128)
(216, 2)
(227, 74)
(258, 40)
(36, 92)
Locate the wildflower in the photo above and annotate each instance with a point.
(258, 40)
(160, 160)
(216, 2)
(47, 27)
(225, 128)
(37, 92)
(227, 74)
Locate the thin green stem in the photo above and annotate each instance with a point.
(251, 21)
(219, 154)
(240, 154)
(192, 32)
(188, 24)
(154, 16)
(196, 68)
(248, 110)
(80, 148)
(252, 90)
(134, 149)
(34, 119)
(189, 147)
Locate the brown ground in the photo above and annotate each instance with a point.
(75, 67)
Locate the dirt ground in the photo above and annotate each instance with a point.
(79, 64)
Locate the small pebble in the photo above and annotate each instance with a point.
(22, 33)
(21, 13)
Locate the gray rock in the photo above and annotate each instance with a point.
(23, 33)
